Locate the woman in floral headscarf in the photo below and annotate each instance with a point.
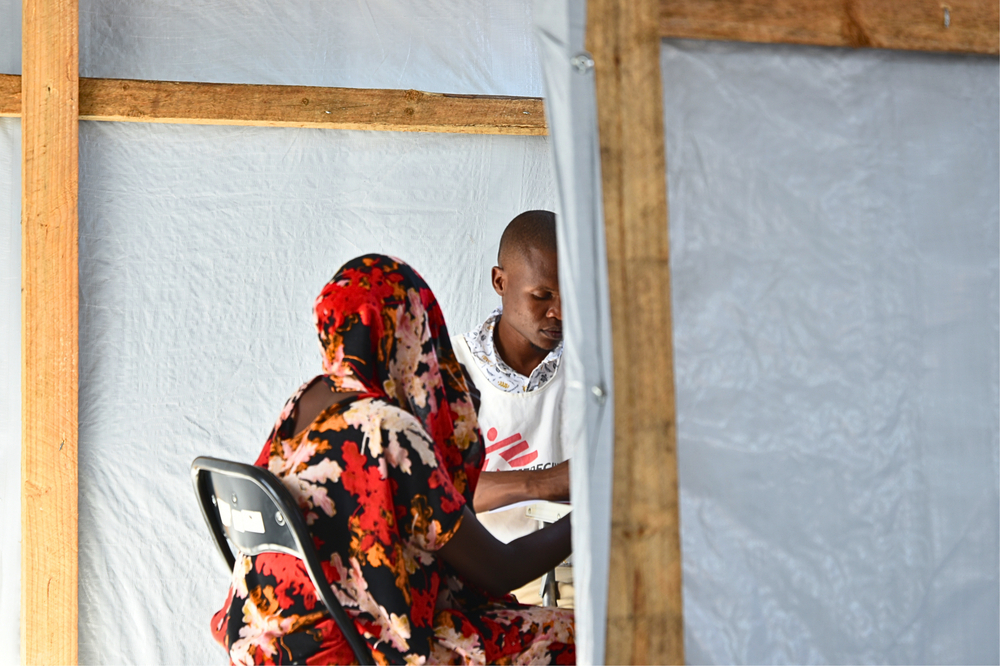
(383, 453)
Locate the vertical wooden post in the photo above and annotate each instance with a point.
(49, 331)
(645, 613)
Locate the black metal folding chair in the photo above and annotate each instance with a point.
(251, 508)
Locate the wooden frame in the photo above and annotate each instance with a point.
(124, 100)
(644, 618)
(958, 26)
(49, 329)
(645, 611)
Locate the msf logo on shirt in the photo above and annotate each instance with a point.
(516, 451)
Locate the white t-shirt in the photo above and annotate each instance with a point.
(521, 430)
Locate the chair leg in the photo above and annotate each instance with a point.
(550, 589)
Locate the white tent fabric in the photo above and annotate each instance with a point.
(588, 404)
(202, 250)
(10, 388)
(834, 228)
(450, 46)
(10, 37)
(439, 46)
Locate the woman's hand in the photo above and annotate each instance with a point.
(500, 567)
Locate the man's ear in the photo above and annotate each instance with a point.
(499, 280)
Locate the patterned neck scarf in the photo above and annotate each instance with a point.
(497, 371)
(383, 334)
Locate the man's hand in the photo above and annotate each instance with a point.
(497, 489)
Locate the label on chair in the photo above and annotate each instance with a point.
(248, 521)
(241, 521)
(225, 512)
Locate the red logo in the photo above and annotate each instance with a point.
(512, 449)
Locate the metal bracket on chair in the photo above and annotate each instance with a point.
(550, 589)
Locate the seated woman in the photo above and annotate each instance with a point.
(383, 453)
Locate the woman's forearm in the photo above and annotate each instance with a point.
(501, 567)
(541, 551)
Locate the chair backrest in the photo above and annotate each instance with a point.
(251, 508)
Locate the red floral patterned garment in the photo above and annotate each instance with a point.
(382, 481)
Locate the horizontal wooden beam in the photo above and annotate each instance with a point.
(126, 100)
(960, 26)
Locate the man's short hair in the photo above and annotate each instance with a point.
(530, 229)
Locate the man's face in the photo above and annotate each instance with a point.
(529, 289)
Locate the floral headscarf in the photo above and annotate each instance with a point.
(383, 334)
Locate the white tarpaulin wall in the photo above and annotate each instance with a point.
(10, 388)
(834, 228)
(836, 345)
(834, 221)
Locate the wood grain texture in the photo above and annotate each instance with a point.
(49, 332)
(645, 613)
(10, 96)
(300, 106)
(973, 26)
(125, 100)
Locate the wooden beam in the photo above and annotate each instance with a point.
(49, 332)
(297, 106)
(961, 26)
(301, 106)
(10, 96)
(645, 613)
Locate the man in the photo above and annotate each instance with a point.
(513, 359)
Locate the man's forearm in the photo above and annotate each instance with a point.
(497, 489)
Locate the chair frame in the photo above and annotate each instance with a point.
(282, 530)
